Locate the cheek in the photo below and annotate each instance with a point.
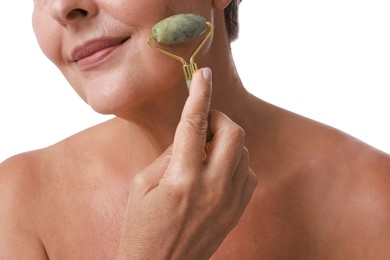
(44, 29)
(141, 14)
(141, 77)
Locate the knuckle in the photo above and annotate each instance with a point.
(177, 193)
(237, 134)
(139, 181)
(253, 180)
(180, 185)
(196, 124)
(245, 157)
(140, 185)
(204, 97)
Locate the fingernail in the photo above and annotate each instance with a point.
(207, 74)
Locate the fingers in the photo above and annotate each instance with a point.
(248, 188)
(241, 174)
(244, 180)
(190, 135)
(150, 177)
(227, 145)
(228, 162)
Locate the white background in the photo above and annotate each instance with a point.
(327, 60)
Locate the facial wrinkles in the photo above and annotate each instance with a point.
(47, 27)
(43, 29)
(51, 38)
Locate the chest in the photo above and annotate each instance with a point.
(82, 219)
(85, 223)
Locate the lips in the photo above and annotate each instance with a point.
(94, 51)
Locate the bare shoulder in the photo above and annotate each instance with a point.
(338, 186)
(19, 178)
(38, 186)
(366, 207)
(353, 184)
(26, 182)
(19, 190)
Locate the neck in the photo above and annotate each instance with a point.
(157, 120)
(228, 91)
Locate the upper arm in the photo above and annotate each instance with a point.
(18, 238)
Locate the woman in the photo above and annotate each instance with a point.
(138, 186)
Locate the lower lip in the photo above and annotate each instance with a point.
(96, 58)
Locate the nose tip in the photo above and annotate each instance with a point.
(69, 11)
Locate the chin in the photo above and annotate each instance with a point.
(123, 99)
(104, 107)
(114, 102)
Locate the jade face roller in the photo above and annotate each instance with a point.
(179, 29)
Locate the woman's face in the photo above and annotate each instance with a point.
(100, 46)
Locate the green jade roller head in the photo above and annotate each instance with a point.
(178, 29)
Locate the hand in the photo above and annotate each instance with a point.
(183, 205)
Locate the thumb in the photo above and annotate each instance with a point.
(150, 177)
(190, 134)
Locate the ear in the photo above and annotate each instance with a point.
(221, 4)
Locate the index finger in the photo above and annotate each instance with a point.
(190, 136)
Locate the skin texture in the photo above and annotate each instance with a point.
(138, 187)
